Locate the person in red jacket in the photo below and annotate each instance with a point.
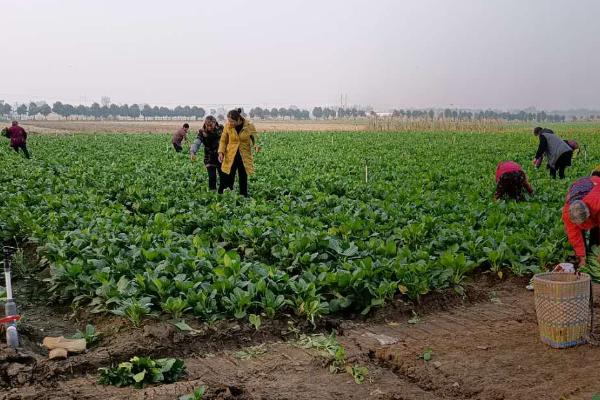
(581, 213)
(511, 181)
(18, 138)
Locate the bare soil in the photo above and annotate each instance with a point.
(69, 126)
(484, 346)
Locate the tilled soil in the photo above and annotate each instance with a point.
(483, 347)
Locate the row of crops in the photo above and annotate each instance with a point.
(129, 227)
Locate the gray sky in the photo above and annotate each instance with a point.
(384, 53)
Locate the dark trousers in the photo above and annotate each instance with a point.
(21, 146)
(227, 180)
(177, 147)
(563, 162)
(593, 238)
(212, 176)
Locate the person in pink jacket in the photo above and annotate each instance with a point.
(511, 181)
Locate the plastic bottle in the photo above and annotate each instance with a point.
(12, 337)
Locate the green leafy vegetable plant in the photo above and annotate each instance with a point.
(140, 371)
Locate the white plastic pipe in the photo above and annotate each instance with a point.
(9, 295)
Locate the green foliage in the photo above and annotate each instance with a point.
(121, 235)
(21, 266)
(358, 373)
(255, 320)
(140, 371)
(90, 335)
(592, 266)
(329, 347)
(415, 319)
(427, 354)
(250, 352)
(133, 309)
(335, 353)
(198, 394)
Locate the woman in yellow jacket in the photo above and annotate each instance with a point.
(235, 151)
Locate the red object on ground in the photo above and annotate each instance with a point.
(9, 319)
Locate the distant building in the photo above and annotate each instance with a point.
(382, 114)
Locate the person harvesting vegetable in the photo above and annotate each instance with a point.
(511, 181)
(179, 136)
(559, 153)
(581, 213)
(18, 138)
(209, 136)
(235, 151)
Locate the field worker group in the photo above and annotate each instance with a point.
(581, 210)
(227, 150)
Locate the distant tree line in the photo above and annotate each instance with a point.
(135, 111)
(332, 113)
(145, 111)
(113, 111)
(279, 113)
(464, 115)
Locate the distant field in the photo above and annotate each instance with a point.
(395, 125)
(41, 126)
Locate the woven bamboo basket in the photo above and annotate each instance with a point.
(562, 305)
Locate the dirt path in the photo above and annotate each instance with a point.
(486, 349)
(68, 127)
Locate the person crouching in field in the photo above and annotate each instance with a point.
(209, 137)
(18, 138)
(235, 151)
(581, 213)
(180, 136)
(559, 153)
(511, 181)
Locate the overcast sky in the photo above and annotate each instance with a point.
(384, 53)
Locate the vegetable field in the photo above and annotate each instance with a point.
(128, 227)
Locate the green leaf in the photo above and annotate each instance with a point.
(427, 354)
(182, 326)
(139, 377)
(254, 320)
(167, 364)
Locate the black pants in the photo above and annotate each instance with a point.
(23, 147)
(212, 176)
(593, 238)
(227, 180)
(563, 162)
(177, 147)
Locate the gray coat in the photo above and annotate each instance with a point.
(556, 147)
